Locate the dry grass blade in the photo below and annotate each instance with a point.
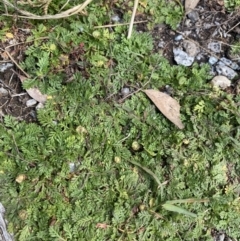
(72, 11)
(167, 105)
(132, 18)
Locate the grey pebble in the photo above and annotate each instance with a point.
(212, 60)
(31, 102)
(178, 37)
(39, 106)
(182, 58)
(5, 66)
(188, 23)
(193, 16)
(115, 18)
(161, 44)
(215, 47)
(72, 167)
(125, 91)
(226, 71)
(221, 237)
(229, 63)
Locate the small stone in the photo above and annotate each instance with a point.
(5, 66)
(229, 63)
(33, 114)
(215, 47)
(178, 37)
(193, 16)
(39, 106)
(221, 82)
(161, 44)
(221, 237)
(190, 48)
(188, 23)
(31, 102)
(200, 57)
(182, 58)
(72, 167)
(125, 91)
(226, 71)
(3, 92)
(212, 60)
(207, 25)
(115, 18)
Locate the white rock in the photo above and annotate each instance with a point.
(221, 237)
(115, 18)
(3, 224)
(5, 66)
(215, 47)
(178, 37)
(125, 91)
(187, 23)
(226, 71)
(72, 167)
(161, 44)
(182, 57)
(229, 63)
(212, 60)
(221, 82)
(39, 106)
(200, 56)
(31, 102)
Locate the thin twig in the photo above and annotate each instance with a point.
(132, 18)
(26, 42)
(232, 27)
(119, 24)
(13, 60)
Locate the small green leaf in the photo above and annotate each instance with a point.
(177, 209)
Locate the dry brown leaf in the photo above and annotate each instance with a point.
(102, 225)
(167, 105)
(34, 92)
(190, 5)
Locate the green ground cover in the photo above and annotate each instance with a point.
(136, 176)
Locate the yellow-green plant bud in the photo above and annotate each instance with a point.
(142, 207)
(117, 159)
(96, 34)
(136, 146)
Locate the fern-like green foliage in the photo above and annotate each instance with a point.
(106, 196)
